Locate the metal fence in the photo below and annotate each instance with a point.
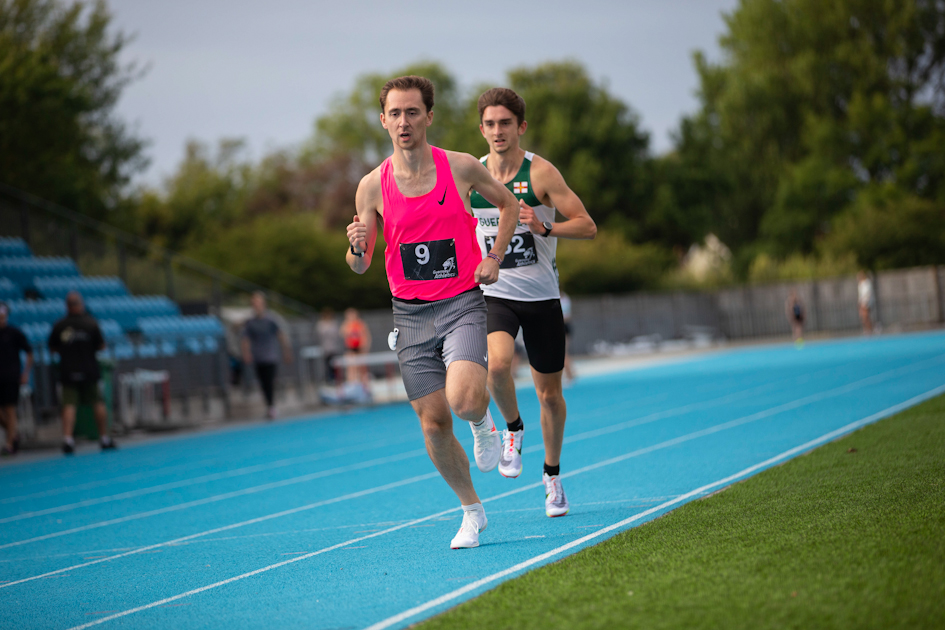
(198, 383)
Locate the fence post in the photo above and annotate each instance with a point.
(937, 290)
(74, 242)
(169, 276)
(123, 263)
(25, 224)
(216, 296)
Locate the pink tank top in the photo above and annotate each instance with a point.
(431, 240)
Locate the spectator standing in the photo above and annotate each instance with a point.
(12, 376)
(263, 334)
(865, 300)
(76, 338)
(357, 339)
(329, 338)
(794, 309)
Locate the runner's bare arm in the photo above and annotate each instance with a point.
(475, 174)
(555, 193)
(362, 232)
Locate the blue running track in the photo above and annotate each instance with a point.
(341, 521)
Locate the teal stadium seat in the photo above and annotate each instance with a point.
(14, 247)
(23, 270)
(89, 287)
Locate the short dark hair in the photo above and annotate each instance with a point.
(409, 82)
(506, 98)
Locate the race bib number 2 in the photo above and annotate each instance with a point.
(520, 252)
(431, 260)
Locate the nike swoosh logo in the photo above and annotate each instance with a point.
(444, 197)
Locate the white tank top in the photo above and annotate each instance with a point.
(529, 272)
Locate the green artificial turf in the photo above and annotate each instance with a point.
(851, 535)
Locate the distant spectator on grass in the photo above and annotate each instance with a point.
(794, 309)
(865, 300)
(329, 338)
(12, 376)
(263, 334)
(76, 338)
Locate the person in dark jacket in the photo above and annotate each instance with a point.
(76, 338)
(12, 376)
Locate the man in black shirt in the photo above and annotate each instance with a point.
(76, 338)
(12, 375)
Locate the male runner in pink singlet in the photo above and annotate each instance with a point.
(434, 267)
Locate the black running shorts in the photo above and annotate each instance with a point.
(9, 394)
(542, 327)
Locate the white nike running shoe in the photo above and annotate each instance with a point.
(474, 522)
(488, 445)
(556, 504)
(510, 462)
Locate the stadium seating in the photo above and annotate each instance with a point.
(9, 291)
(126, 310)
(23, 270)
(14, 247)
(133, 326)
(59, 286)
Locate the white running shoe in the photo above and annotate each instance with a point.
(474, 522)
(510, 461)
(556, 504)
(488, 447)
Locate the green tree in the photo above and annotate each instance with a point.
(60, 78)
(815, 101)
(592, 137)
(206, 194)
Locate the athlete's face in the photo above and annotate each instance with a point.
(500, 128)
(406, 118)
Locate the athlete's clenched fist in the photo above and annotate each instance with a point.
(357, 235)
(487, 272)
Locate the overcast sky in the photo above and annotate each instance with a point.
(264, 71)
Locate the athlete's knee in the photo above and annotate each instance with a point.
(436, 430)
(551, 398)
(469, 403)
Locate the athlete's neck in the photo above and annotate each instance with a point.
(504, 166)
(413, 161)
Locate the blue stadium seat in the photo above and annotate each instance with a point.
(9, 291)
(14, 247)
(24, 270)
(127, 310)
(89, 287)
(35, 311)
(195, 334)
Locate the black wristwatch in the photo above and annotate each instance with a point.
(359, 255)
(547, 225)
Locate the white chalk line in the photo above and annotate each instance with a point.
(221, 497)
(216, 530)
(183, 483)
(614, 460)
(534, 448)
(407, 614)
(413, 611)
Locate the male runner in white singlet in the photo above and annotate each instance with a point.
(434, 267)
(526, 294)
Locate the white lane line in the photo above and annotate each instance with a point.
(195, 591)
(104, 482)
(601, 464)
(238, 472)
(413, 611)
(216, 530)
(221, 497)
(599, 431)
(407, 614)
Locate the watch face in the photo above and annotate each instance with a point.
(546, 224)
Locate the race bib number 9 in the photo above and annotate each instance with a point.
(521, 251)
(432, 260)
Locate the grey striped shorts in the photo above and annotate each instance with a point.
(434, 334)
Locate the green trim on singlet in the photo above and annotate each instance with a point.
(523, 176)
